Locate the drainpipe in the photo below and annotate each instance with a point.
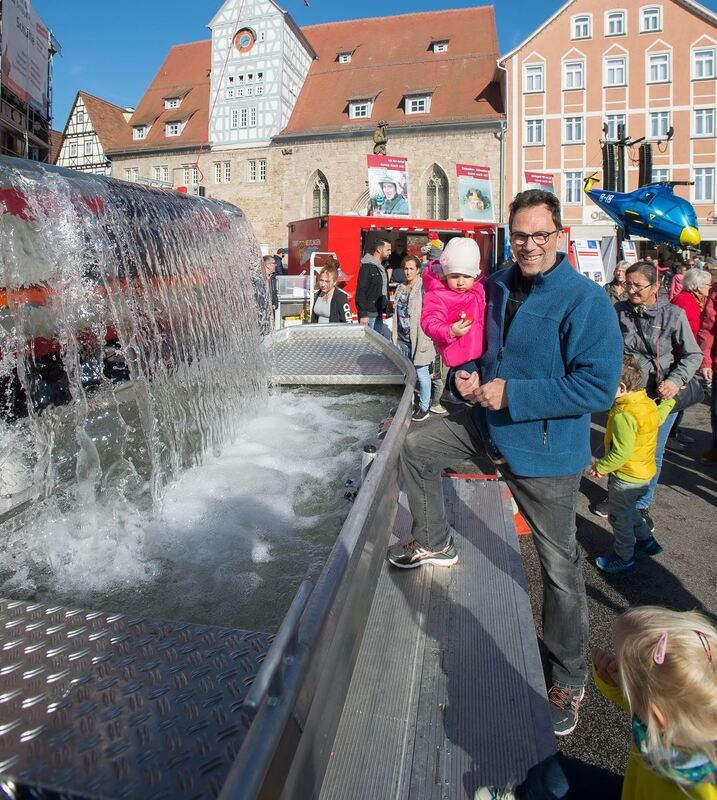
(501, 183)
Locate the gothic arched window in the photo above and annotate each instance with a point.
(319, 195)
(437, 194)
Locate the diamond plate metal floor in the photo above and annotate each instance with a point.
(448, 692)
(333, 354)
(97, 705)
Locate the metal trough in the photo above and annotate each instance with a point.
(95, 705)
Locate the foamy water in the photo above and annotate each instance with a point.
(232, 538)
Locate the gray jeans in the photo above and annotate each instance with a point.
(627, 522)
(548, 505)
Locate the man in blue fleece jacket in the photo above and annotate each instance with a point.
(554, 354)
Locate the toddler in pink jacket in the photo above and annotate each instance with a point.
(454, 304)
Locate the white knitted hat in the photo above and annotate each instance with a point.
(461, 256)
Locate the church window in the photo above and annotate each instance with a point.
(319, 195)
(437, 194)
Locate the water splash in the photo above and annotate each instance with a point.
(103, 282)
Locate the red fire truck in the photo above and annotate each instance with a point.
(350, 237)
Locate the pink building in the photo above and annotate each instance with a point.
(651, 66)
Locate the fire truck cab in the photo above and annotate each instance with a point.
(350, 237)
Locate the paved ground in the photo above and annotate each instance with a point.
(683, 577)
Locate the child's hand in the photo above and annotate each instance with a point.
(461, 327)
(595, 473)
(605, 665)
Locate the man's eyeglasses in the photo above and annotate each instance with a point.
(539, 237)
(638, 287)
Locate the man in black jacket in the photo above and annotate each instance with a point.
(372, 287)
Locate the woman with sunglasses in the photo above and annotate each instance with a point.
(657, 335)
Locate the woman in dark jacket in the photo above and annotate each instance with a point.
(331, 304)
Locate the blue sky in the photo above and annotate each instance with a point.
(113, 50)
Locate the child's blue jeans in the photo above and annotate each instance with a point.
(627, 522)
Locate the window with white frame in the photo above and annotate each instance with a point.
(703, 63)
(344, 58)
(615, 23)
(613, 120)
(660, 174)
(704, 184)
(439, 46)
(227, 172)
(157, 173)
(172, 102)
(580, 27)
(659, 124)
(615, 71)
(650, 19)
(139, 132)
(259, 89)
(173, 129)
(534, 131)
(243, 117)
(533, 78)
(131, 174)
(573, 188)
(165, 173)
(252, 117)
(262, 36)
(73, 149)
(704, 122)
(128, 174)
(573, 129)
(574, 75)
(88, 147)
(257, 170)
(419, 104)
(80, 117)
(658, 68)
(360, 109)
(217, 172)
(235, 118)
(190, 175)
(249, 91)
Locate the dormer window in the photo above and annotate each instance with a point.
(172, 102)
(173, 129)
(440, 46)
(139, 132)
(344, 58)
(360, 109)
(417, 104)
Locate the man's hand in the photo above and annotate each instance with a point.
(461, 327)
(605, 665)
(493, 395)
(467, 384)
(363, 320)
(707, 374)
(667, 389)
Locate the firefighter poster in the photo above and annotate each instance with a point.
(25, 46)
(540, 180)
(388, 186)
(475, 193)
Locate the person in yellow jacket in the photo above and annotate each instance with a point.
(664, 673)
(629, 460)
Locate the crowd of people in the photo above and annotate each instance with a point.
(532, 352)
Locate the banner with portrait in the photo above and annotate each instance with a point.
(388, 186)
(475, 193)
(25, 47)
(539, 180)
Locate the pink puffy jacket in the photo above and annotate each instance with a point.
(442, 307)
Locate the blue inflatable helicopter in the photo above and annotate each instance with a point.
(652, 211)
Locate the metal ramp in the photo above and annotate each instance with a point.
(334, 354)
(448, 691)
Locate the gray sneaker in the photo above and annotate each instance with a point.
(564, 707)
(413, 555)
(600, 509)
(437, 408)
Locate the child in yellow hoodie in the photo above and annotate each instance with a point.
(629, 460)
(664, 673)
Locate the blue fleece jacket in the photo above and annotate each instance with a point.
(561, 360)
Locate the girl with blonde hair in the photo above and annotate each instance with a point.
(663, 672)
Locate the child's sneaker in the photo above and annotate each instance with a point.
(647, 547)
(613, 564)
(437, 408)
(494, 793)
(419, 414)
